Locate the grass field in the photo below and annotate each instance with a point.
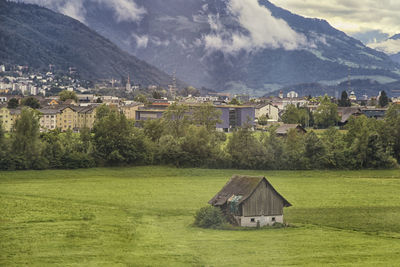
(142, 217)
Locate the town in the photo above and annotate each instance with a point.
(65, 104)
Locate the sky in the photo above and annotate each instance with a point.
(364, 19)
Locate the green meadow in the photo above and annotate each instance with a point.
(143, 216)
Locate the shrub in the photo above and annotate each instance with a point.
(209, 217)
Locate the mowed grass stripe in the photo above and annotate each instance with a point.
(142, 217)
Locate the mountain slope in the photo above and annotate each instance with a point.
(390, 46)
(177, 35)
(37, 36)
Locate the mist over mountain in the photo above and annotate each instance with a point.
(390, 46)
(240, 46)
(36, 36)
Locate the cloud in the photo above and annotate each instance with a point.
(141, 41)
(258, 29)
(389, 46)
(124, 10)
(350, 16)
(72, 8)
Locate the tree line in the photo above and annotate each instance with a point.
(192, 141)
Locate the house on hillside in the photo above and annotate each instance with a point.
(284, 129)
(250, 201)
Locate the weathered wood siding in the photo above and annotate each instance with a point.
(263, 201)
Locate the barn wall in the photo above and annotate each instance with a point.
(264, 220)
(263, 201)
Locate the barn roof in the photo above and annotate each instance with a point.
(347, 112)
(242, 186)
(284, 128)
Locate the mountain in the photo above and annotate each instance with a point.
(390, 46)
(395, 40)
(36, 36)
(235, 45)
(361, 87)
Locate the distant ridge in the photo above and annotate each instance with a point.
(36, 36)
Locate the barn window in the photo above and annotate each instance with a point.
(252, 220)
(273, 219)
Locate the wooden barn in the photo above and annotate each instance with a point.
(250, 201)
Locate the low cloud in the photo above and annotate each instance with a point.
(141, 41)
(124, 10)
(389, 46)
(350, 16)
(258, 30)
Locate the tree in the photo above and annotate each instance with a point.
(274, 150)
(294, 150)
(263, 119)
(234, 101)
(336, 150)
(176, 119)
(391, 131)
(366, 146)
(12, 103)
(85, 139)
(245, 150)
(31, 102)
(141, 98)
(206, 115)
(156, 95)
(153, 129)
(116, 141)
(294, 115)
(25, 139)
(190, 90)
(65, 95)
(326, 114)
(199, 146)
(344, 100)
(383, 99)
(314, 151)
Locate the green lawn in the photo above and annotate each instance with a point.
(142, 217)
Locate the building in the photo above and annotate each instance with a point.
(285, 128)
(151, 111)
(346, 112)
(128, 87)
(282, 103)
(372, 112)
(67, 119)
(86, 117)
(268, 110)
(292, 94)
(130, 110)
(5, 118)
(8, 117)
(352, 96)
(250, 201)
(48, 119)
(233, 117)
